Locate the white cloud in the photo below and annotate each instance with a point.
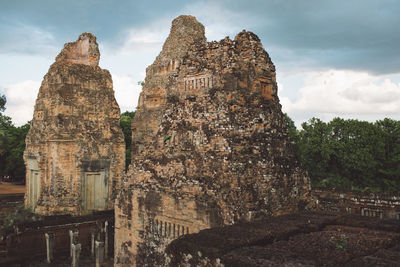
(344, 92)
(281, 87)
(147, 38)
(153, 35)
(23, 38)
(126, 92)
(217, 26)
(20, 101)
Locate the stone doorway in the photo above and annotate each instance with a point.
(95, 191)
(33, 183)
(34, 188)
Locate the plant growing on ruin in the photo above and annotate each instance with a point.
(340, 243)
(167, 137)
(125, 124)
(20, 215)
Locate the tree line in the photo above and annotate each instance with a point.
(12, 145)
(349, 154)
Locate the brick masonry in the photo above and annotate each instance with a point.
(74, 136)
(209, 145)
(380, 205)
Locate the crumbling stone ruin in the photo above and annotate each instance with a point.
(209, 148)
(75, 151)
(378, 205)
(301, 239)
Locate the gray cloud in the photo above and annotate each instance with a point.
(23, 38)
(352, 34)
(69, 18)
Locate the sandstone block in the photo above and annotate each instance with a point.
(75, 148)
(209, 133)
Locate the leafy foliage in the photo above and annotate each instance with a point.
(167, 137)
(2, 102)
(125, 123)
(20, 215)
(340, 243)
(350, 154)
(12, 145)
(293, 133)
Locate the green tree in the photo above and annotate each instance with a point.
(351, 153)
(389, 167)
(125, 123)
(356, 147)
(5, 124)
(314, 149)
(12, 145)
(2, 103)
(16, 145)
(293, 133)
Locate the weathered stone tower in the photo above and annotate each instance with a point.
(75, 151)
(209, 144)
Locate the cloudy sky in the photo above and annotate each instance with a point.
(333, 57)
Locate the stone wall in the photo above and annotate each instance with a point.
(380, 205)
(75, 148)
(209, 144)
(151, 220)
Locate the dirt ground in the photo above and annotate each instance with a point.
(10, 188)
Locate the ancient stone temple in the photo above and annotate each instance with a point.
(209, 145)
(75, 151)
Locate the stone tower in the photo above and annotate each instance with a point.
(210, 145)
(75, 151)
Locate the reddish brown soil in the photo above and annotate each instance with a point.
(10, 188)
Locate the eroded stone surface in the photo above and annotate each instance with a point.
(75, 143)
(380, 205)
(83, 51)
(303, 239)
(209, 134)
